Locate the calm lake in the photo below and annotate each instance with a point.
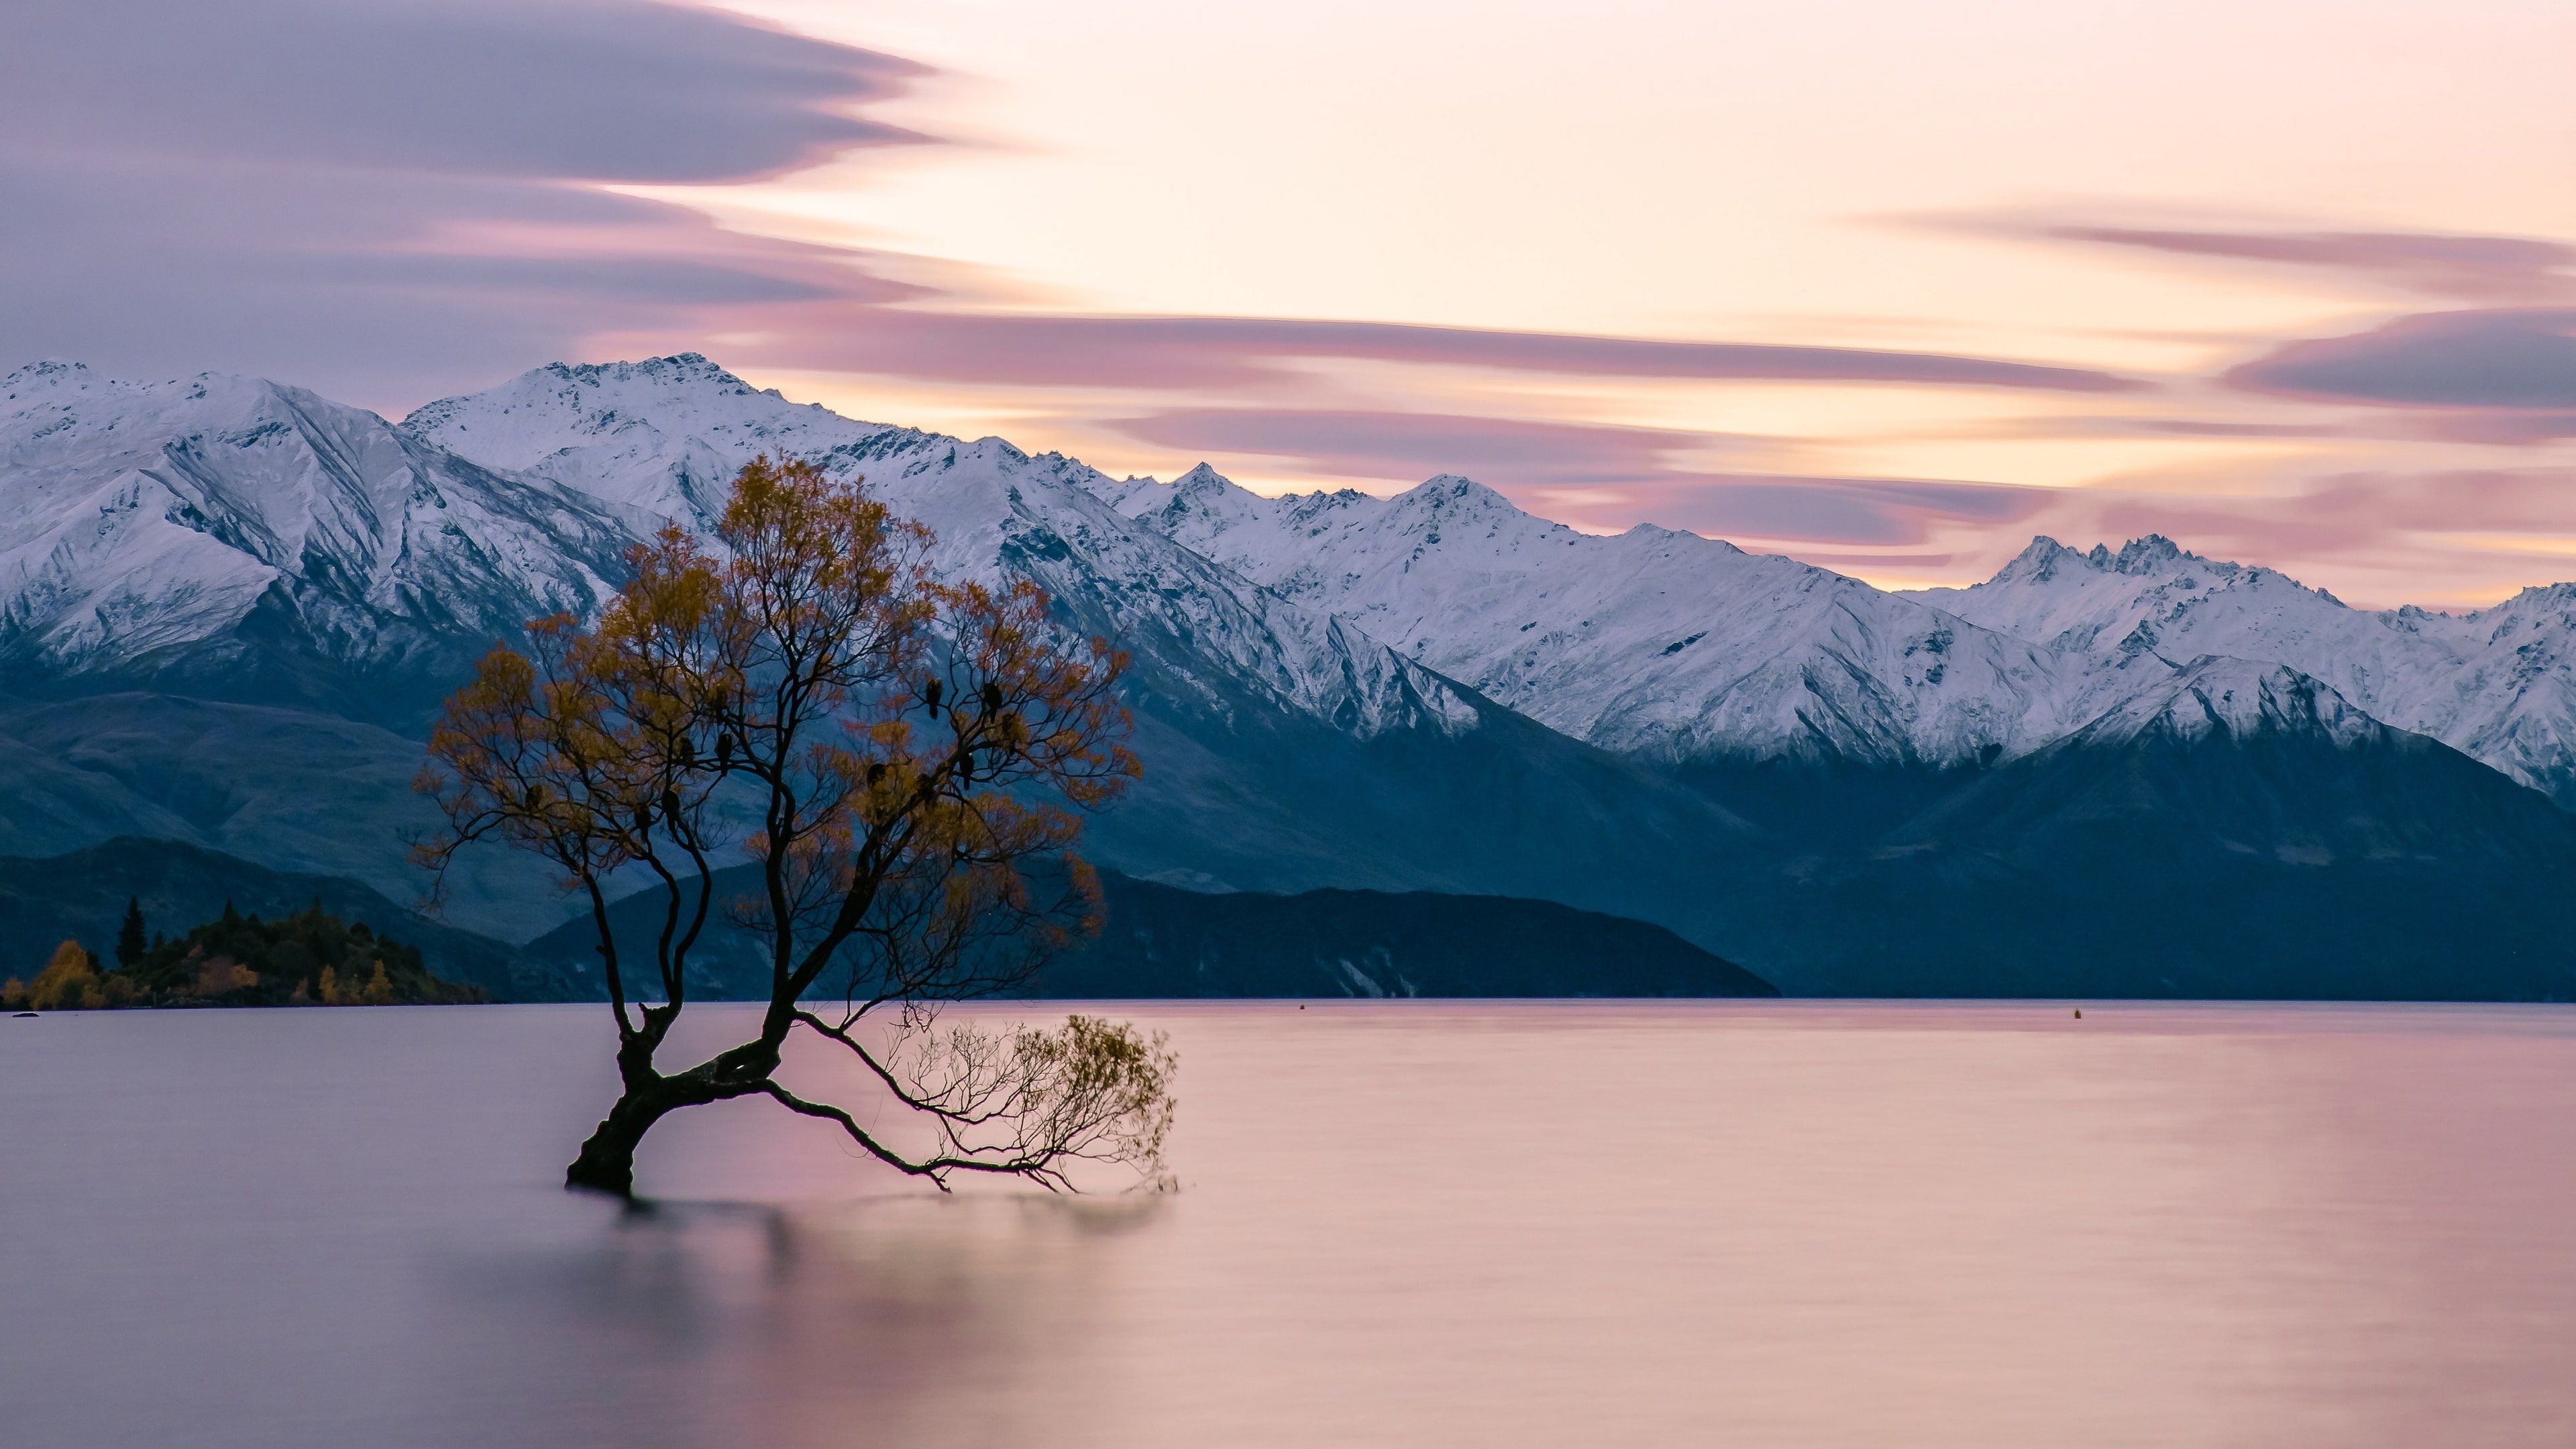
(1400, 1223)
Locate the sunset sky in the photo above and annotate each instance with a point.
(1886, 286)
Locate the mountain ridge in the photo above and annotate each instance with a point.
(2498, 683)
(1841, 787)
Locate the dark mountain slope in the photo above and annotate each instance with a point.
(2246, 835)
(1161, 941)
(1164, 942)
(291, 789)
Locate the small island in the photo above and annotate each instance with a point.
(307, 958)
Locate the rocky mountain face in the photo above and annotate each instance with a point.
(1657, 644)
(238, 538)
(227, 608)
(2498, 684)
(666, 437)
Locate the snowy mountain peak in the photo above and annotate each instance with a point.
(2040, 561)
(1196, 508)
(1652, 534)
(236, 517)
(2152, 554)
(146, 518)
(663, 436)
(41, 373)
(1654, 642)
(2046, 559)
(1449, 494)
(680, 369)
(2498, 685)
(666, 437)
(2536, 597)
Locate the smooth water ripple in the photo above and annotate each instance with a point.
(1402, 1223)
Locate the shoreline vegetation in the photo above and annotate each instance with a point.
(308, 958)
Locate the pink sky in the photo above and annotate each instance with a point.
(1886, 286)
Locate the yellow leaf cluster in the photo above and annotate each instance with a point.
(69, 982)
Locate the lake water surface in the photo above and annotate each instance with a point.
(1400, 1223)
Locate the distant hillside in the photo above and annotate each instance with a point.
(1161, 941)
(1164, 942)
(2247, 835)
(81, 896)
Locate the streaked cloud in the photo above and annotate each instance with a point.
(1596, 476)
(1788, 508)
(388, 200)
(1075, 350)
(1407, 447)
(2500, 358)
(535, 89)
(2437, 264)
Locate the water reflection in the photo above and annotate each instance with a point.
(898, 1319)
(1402, 1223)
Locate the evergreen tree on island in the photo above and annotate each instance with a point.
(130, 942)
(913, 757)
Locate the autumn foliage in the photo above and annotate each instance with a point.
(304, 958)
(71, 981)
(906, 762)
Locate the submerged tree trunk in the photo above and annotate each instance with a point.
(607, 1160)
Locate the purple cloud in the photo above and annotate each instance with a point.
(2504, 358)
(2361, 516)
(1593, 474)
(538, 89)
(1179, 351)
(386, 201)
(1349, 444)
(2490, 268)
(1796, 508)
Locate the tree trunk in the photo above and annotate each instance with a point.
(607, 1160)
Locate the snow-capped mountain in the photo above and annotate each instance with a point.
(1286, 747)
(2241, 831)
(1431, 691)
(370, 564)
(1663, 645)
(2498, 684)
(2216, 697)
(228, 525)
(668, 435)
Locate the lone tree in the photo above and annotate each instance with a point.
(907, 759)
